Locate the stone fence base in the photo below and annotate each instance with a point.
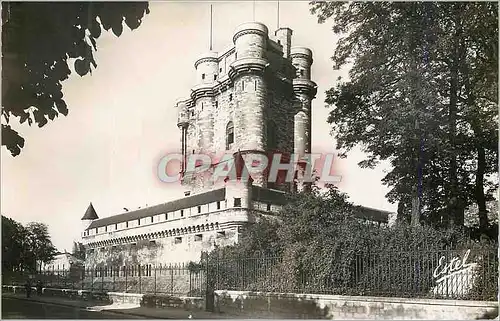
(272, 305)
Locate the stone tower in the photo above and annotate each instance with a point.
(253, 98)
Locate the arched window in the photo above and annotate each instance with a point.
(229, 135)
(272, 140)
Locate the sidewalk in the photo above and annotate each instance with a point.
(150, 313)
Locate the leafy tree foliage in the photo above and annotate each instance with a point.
(318, 242)
(421, 94)
(39, 40)
(24, 246)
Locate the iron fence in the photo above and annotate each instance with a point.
(172, 279)
(445, 274)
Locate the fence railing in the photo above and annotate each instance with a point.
(173, 279)
(446, 274)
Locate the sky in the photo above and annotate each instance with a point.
(122, 118)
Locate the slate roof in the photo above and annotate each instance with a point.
(186, 202)
(271, 196)
(90, 214)
(372, 214)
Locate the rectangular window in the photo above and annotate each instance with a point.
(113, 247)
(116, 227)
(215, 77)
(166, 216)
(105, 229)
(218, 205)
(216, 104)
(152, 242)
(199, 209)
(255, 82)
(151, 219)
(268, 207)
(192, 113)
(230, 97)
(198, 237)
(178, 240)
(242, 85)
(182, 213)
(202, 76)
(221, 234)
(133, 244)
(126, 224)
(220, 69)
(139, 222)
(237, 202)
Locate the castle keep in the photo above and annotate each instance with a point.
(254, 97)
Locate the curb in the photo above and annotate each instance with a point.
(85, 308)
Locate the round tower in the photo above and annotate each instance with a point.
(207, 68)
(305, 91)
(183, 123)
(250, 89)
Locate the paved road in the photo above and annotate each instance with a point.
(22, 309)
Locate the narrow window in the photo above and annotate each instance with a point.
(166, 216)
(199, 209)
(105, 229)
(152, 242)
(193, 151)
(198, 237)
(202, 106)
(242, 85)
(178, 240)
(279, 42)
(301, 72)
(192, 113)
(220, 69)
(237, 202)
(215, 77)
(139, 222)
(229, 135)
(126, 224)
(218, 205)
(255, 83)
(116, 227)
(151, 219)
(182, 213)
(202, 76)
(216, 104)
(268, 207)
(230, 97)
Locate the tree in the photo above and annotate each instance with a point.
(24, 246)
(39, 40)
(411, 100)
(37, 245)
(12, 245)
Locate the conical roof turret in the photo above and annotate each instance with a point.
(90, 214)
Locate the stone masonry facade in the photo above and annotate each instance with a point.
(254, 97)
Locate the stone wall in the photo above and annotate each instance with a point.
(268, 305)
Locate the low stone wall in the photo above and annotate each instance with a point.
(65, 293)
(272, 305)
(167, 301)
